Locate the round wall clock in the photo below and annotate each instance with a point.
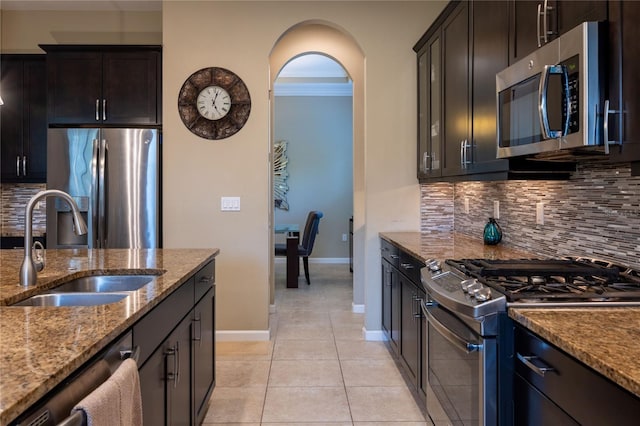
(214, 103)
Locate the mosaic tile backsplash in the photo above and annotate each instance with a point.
(14, 200)
(595, 213)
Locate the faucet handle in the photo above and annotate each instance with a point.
(38, 250)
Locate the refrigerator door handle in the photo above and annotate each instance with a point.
(102, 170)
(95, 159)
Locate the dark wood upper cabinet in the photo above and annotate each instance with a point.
(23, 132)
(105, 85)
(490, 46)
(624, 103)
(534, 23)
(456, 73)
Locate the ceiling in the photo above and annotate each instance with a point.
(82, 5)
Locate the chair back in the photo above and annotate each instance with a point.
(310, 231)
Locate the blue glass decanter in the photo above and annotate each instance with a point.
(492, 232)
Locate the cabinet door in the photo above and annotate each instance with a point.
(386, 299)
(202, 333)
(11, 115)
(178, 368)
(396, 309)
(410, 328)
(430, 109)
(35, 120)
(130, 87)
(24, 118)
(74, 87)
(573, 13)
(490, 56)
(152, 387)
(455, 49)
(624, 85)
(527, 26)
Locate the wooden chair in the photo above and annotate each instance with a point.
(306, 245)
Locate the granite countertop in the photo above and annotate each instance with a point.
(40, 346)
(450, 245)
(605, 339)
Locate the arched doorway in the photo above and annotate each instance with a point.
(327, 39)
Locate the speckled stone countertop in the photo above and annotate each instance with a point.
(605, 339)
(40, 346)
(450, 245)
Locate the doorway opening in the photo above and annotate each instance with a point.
(316, 114)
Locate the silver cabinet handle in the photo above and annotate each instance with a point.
(605, 127)
(173, 375)
(18, 165)
(24, 165)
(538, 25)
(178, 362)
(543, 14)
(425, 161)
(406, 265)
(526, 360)
(104, 110)
(394, 256)
(97, 109)
(206, 279)
(417, 301)
(198, 337)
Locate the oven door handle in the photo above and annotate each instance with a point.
(459, 342)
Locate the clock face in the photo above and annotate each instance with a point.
(214, 103)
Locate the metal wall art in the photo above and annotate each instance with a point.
(280, 175)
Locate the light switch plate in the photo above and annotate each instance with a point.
(496, 209)
(540, 213)
(230, 204)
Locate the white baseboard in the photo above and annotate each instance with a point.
(337, 260)
(373, 335)
(242, 335)
(357, 308)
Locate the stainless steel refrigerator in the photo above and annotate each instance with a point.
(114, 176)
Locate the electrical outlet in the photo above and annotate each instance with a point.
(466, 205)
(496, 209)
(540, 213)
(230, 204)
(344, 237)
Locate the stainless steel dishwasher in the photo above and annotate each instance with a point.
(54, 409)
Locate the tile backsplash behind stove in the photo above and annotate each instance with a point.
(595, 213)
(14, 199)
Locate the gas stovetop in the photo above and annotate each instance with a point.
(476, 287)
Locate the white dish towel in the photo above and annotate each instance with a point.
(116, 402)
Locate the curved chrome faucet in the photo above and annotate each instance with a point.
(29, 269)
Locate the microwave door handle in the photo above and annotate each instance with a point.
(567, 100)
(543, 112)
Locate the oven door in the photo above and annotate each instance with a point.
(462, 371)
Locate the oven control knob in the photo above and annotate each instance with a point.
(483, 294)
(434, 266)
(466, 284)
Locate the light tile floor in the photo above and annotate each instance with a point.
(317, 368)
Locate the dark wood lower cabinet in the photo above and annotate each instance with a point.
(410, 334)
(177, 367)
(203, 346)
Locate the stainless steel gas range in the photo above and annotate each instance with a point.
(468, 330)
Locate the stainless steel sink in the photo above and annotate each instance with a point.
(104, 284)
(72, 299)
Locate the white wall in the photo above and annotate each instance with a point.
(319, 135)
(240, 36)
(241, 40)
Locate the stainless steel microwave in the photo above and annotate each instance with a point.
(550, 101)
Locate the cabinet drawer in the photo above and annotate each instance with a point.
(389, 252)
(154, 327)
(583, 393)
(205, 279)
(410, 266)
